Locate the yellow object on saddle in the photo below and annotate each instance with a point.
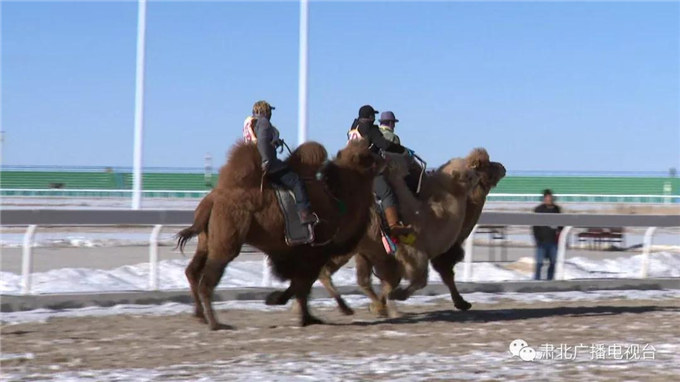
(408, 239)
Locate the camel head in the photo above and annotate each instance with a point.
(357, 157)
(458, 177)
(490, 173)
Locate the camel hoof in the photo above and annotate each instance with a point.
(311, 320)
(378, 309)
(462, 305)
(392, 313)
(200, 317)
(219, 326)
(345, 309)
(276, 298)
(399, 294)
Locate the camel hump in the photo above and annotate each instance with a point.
(307, 158)
(242, 168)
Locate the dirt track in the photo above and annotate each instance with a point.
(428, 342)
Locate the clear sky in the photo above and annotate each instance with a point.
(542, 85)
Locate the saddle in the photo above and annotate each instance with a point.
(295, 232)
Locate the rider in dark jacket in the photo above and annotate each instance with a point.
(365, 127)
(276, 170)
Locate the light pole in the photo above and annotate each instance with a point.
(2, 143)
(303, 72)
(207, 174)
(139, 107)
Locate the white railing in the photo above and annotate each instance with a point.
(27, 258)
(33, 218)
(588, 198)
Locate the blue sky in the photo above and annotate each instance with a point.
(543, 86)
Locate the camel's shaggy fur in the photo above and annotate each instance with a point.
(237, 212)
(443, 216)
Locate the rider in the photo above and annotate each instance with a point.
(387, 124)
(259, 130)
(364, 127)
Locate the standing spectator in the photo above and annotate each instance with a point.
(546, 237)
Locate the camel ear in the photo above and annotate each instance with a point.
(477, 156)
(339, 154)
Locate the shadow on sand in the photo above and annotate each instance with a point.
(495, 315)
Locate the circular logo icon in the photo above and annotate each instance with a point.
(516, 346)
(527, 354)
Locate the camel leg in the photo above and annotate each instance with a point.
(279, 297)
(327, 281)
(212, 273)
(443, 264)
(389, 273)
(363, 271)
(193, 273)
(301, 288)
(224, 244)
(418, 280)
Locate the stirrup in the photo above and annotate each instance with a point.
(315, 222)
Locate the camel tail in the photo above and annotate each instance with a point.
(201, 219)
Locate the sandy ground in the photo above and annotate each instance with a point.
(428, 342)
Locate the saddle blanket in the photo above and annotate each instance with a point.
(296, 233)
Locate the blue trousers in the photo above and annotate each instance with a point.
(384, 192)
(545, 251)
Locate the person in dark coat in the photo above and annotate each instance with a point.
(365, 127)
(546, 237)
(278, 172)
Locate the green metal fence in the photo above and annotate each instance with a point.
(598, 189)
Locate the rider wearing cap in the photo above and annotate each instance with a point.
(364, 127)
(387, 124)
(267, 139)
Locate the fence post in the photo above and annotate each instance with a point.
(27, 259)
(646, 249)
(266, 273)
(561, 252)
(153, 257)
(467, 264)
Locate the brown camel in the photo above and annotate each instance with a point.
(437, 216)
(371, 255)
(490, 173)
(239, 212)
